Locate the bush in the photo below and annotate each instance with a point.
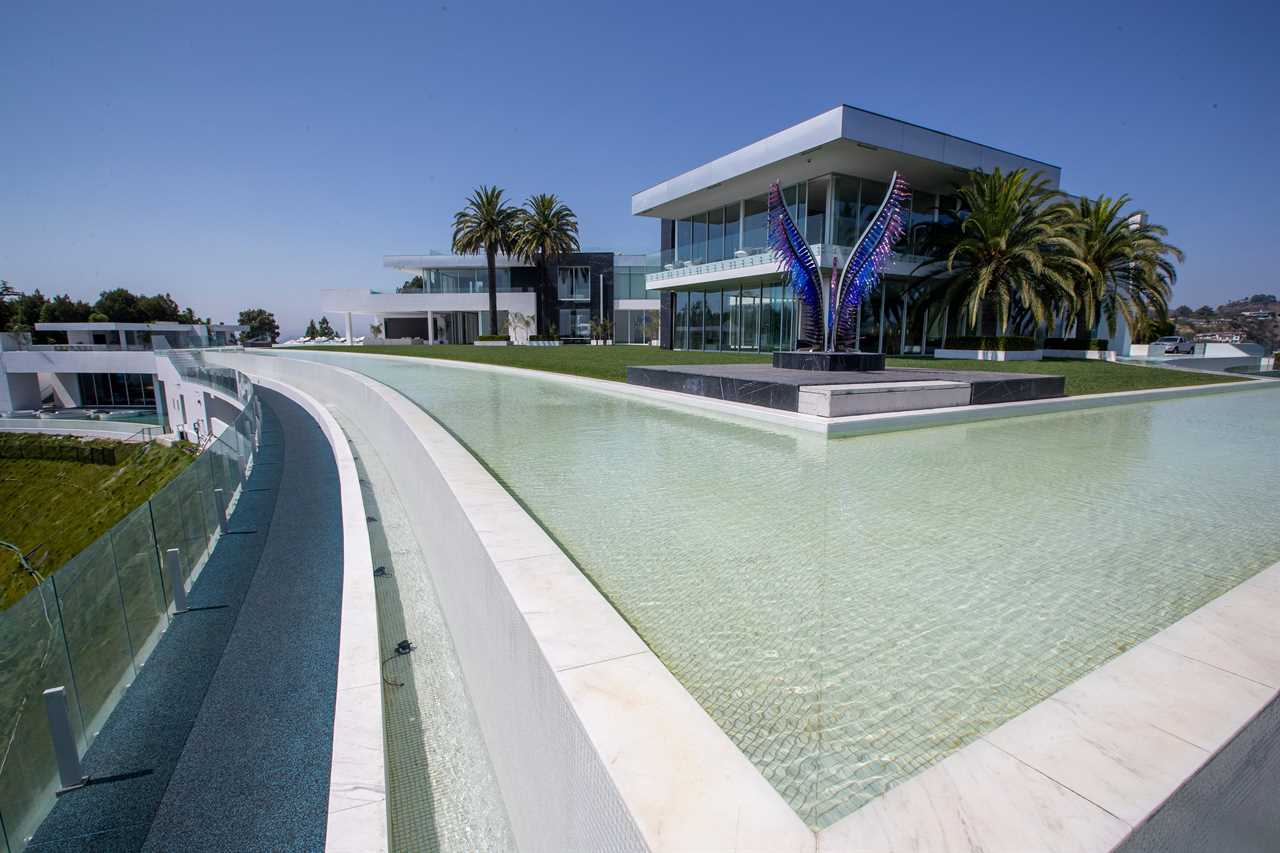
(1089, 344)
(999, 343)
(544, 337)
(492, 338)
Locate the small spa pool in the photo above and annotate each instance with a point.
(851, 611)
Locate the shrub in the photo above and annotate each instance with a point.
(544, 337)
(1000, 343)
(492, 338)
(1090, 344)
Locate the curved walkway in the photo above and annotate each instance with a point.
(224, 740)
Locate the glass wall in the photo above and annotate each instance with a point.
(747, 319)
(815, 214)
(462, 280)
(845, 213)
(117, 389)
(635, 327)
(629, 283)
(573, 284)
(923, 213)
(575, 323)
(755, 225)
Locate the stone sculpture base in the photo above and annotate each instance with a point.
(829, 361)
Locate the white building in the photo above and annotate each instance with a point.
(112, 370)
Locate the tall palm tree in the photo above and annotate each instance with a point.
(1013, 253)
(1128, 269)
(546, 229)
(486, 224)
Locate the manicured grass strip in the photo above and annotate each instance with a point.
(59, 507)
(1083, 377)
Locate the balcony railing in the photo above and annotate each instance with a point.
(757, 258)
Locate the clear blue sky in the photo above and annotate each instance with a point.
(251, 154)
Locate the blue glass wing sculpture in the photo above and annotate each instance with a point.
(866, 263)
(799, 267)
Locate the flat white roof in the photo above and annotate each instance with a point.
(844, 139)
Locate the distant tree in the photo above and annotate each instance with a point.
(120, 305)
(160, 308)
(324, 330)
(413, 284)
(98, 317)
(312, 331)
(1204, 312)
(261, 323)
(487, 224)
(375, 329)
(64, 309)
(1182, 311)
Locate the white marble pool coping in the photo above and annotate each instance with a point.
(1078, 771)
(851, 424)
(357, 819)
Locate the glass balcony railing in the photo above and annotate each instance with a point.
(91, 624)
(756, 257)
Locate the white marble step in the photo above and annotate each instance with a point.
(866, 398)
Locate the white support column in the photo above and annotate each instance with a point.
(348, 316)
(431, 327)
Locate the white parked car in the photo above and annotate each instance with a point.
(1175, 345)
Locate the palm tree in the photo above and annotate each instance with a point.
(486, 224)
(1128, 269)
(1012, 254)
(546, 230)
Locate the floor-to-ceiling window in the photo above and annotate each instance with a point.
(732, 226)
(715, 234)
(816, 211)
(712, 317)
(682, 321)
(696, 300)
(873, 193)
(573, 284)
(755, 225)
(750, 319)
(845, 211)
(117, 389)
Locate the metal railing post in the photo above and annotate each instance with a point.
(220, 499)
(70, 772)
(173, 565)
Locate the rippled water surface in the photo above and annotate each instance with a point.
(851, 611)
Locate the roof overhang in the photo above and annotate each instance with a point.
(843, 140)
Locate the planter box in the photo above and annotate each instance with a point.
(1087, 354)
(492, 343)
(991, 354)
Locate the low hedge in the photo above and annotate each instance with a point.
(492, 338)
(999, 343)
(1086, 344)
(544, 337)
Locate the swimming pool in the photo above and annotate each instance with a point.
(851, 611)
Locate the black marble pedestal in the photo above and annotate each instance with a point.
(829, 361)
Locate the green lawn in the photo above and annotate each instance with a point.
(54, 509)
(1083, 377)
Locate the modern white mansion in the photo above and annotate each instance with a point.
(714, 284)
(109, 370)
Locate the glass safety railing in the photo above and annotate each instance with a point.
(91, 624)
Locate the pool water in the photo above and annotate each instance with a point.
(851, 611)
